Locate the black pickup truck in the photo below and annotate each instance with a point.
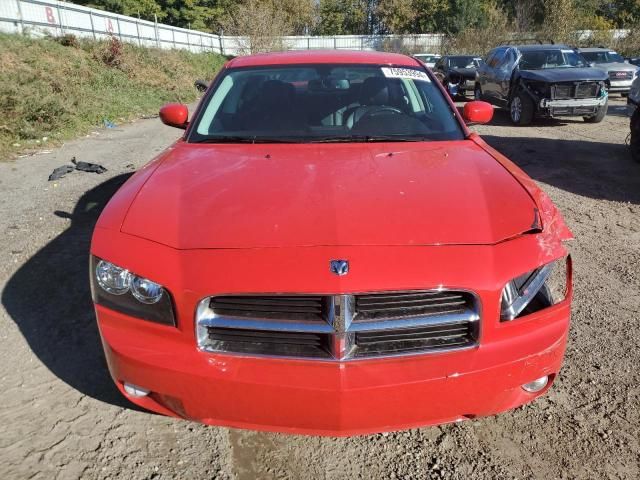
(544, 81)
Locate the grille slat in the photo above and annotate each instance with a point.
(372, 324)
(409, 304)
(414, 339)
(265, 342)
(270, 307)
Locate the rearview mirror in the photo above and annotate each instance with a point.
(175, 115)
(477, 112)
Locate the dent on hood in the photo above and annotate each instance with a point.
(549, 224)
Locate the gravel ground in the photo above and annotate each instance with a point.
(61, 416)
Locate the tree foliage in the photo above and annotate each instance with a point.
(340, 17)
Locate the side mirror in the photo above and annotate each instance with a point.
(477, 112)
(175, 115)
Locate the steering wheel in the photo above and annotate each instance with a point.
(375, 111)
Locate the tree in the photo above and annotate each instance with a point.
(259, 24)
(342, 17)
(146, 9)
(412, 16)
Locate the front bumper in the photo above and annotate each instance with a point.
(620, 86)
(571, 107)
(333, 398)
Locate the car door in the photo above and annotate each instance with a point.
(483, 73)
(492, 76)
(504, 72)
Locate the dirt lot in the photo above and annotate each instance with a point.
(61, 417)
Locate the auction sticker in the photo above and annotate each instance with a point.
(394, 72)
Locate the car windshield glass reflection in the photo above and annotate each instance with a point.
(464, 62)
(603, 57)
(543, 59)
(325, 103)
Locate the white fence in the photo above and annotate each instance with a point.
(41, 17)
(52, 17)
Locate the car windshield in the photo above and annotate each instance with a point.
(464, 62)
(603, 57)
(427, 58)
(543, 59)
(325, 103)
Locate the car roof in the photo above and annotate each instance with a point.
(538, 47)
(305, 57)
(596, 49)
(464, 56)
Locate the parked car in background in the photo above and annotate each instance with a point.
(542, 80)
(429, 59)
(458, 73)
(633, 102)
(621, 73)
(328, 249)
(633, 61)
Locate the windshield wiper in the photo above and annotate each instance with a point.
(250, 139)
(368, 138)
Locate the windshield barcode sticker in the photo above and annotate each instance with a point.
(393, 72)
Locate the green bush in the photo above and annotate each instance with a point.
(61, 88)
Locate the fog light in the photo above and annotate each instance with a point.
(135, 390)
(536, 385)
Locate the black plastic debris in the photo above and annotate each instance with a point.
(60, 172)
(88, 167)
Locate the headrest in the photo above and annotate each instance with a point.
(374, 91)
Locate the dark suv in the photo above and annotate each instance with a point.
(457, 73)
(542, 80)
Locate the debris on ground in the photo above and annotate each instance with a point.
(60, 172)
(108, 123)
(88, 167)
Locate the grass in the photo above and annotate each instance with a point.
(55, 89)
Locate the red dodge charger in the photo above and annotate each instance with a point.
(329, 250)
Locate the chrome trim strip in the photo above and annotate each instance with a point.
(412, 322)
(266, 325)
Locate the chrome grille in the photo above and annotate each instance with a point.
(339, 327)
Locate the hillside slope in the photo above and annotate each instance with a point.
(55, 89)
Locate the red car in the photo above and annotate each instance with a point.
(329, 250)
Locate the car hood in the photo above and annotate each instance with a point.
(279, 195)
(616, 67)
(553, 75)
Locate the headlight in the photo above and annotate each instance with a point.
(535, 290)
(112, 279)
(118, 289)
